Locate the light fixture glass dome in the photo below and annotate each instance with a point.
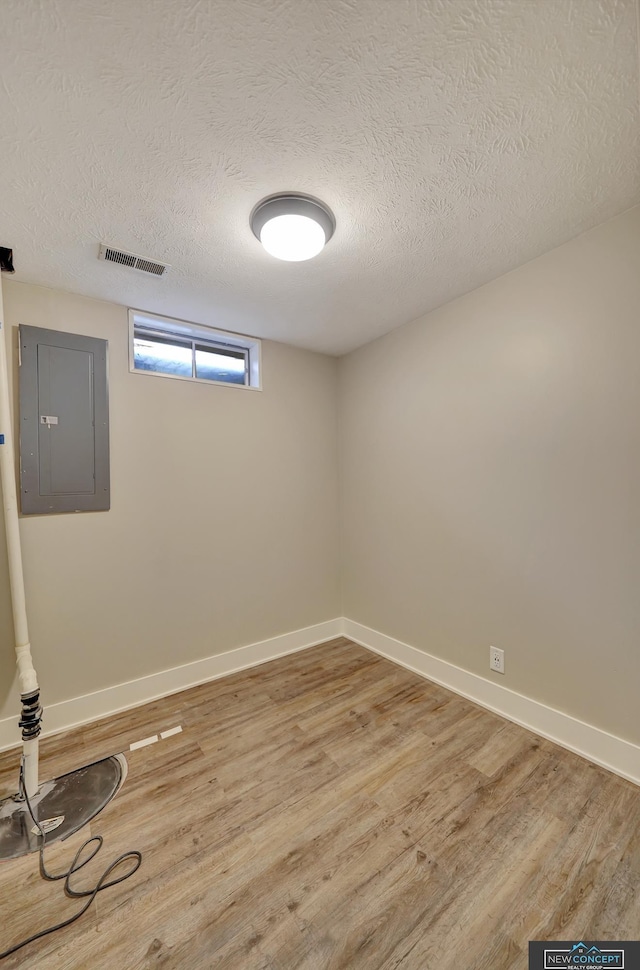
(293, 238)
(292, 227)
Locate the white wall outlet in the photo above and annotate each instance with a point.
(496, 660)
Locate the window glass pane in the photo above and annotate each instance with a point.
(216, 364)
(162, 356)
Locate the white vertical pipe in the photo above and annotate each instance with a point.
(30, 753)
(26, 672)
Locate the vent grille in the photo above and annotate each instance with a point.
(124, 258)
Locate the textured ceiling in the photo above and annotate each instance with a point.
(453, 140)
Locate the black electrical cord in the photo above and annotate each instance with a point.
(75, 866)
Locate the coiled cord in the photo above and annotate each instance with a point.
(103, 882)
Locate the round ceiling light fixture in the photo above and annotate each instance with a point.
(292, 227)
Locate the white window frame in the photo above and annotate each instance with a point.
(181, 329)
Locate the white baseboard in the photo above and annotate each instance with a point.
(102, 703)
(617, 755)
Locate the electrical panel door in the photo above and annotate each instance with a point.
(64, 422)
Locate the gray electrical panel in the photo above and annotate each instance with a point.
(64, 422)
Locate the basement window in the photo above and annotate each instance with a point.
(164, 347)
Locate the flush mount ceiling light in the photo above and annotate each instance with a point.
(292, 227)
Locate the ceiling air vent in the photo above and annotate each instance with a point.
(124, 258)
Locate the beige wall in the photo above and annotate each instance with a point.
(223, 526)
(491, 479)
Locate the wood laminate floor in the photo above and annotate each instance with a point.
(331, 810)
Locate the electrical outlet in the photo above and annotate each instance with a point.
(496, 660)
